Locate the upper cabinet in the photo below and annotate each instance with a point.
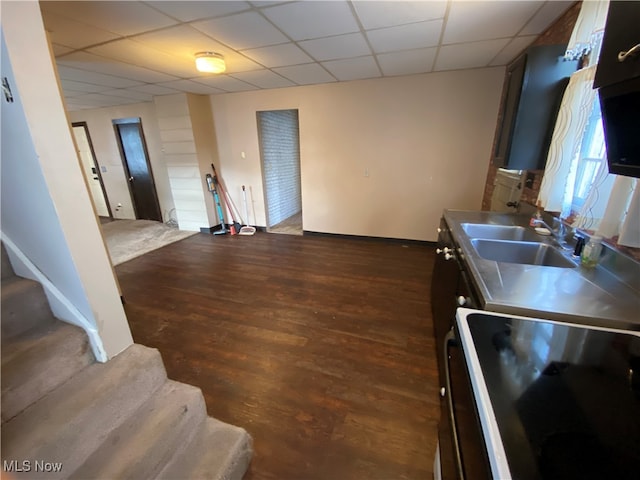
(535, 84)
(617, 61)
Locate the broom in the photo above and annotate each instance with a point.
(246, 230)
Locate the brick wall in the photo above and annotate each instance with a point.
(280, 148)
(556, 34)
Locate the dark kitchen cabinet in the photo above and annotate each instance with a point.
(535, 84)
(621, 34)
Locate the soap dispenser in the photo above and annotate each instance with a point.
(591, 252)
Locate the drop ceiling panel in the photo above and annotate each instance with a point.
(120, 17)
(192, 87)
(69, 73)
(278, 55)
(264, 79)
(405, 37)
(468, 55)
(390, 13)
(227, 84)
(70, 33)
(136, 53)
(60, 49)
(154, 89)
(407, 62)
(81, 87)
(306, 20)
(242, 31)
(130, 94)
(549, 12)
(353, 68)
(306, 74)
(483, 20)
(333, 48)
(96, 63)
(513, 49)
(186, 11)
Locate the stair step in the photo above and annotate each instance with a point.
(36, 363)
(143, 446)
(71, 422)
(24, 307)
(6, 269)
(220, 451)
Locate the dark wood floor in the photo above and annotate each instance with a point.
(320, 347)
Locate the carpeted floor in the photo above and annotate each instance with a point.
(127, 239)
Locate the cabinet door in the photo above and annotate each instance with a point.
(444, 283)
(515, 75)
(621, 33)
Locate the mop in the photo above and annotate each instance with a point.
(246, 230)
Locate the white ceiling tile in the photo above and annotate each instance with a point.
(305, 74)
(121, 17)
(549, 12)
(353, 68)
(407, 62)
(306, 20)
(242, 31)
(71, 33)
(131, 94)
(513, 49)
(470, 21)
(97, 63)
(268, 3)
(154, 89)
(405, 37)
(468, 55)
(187, 11)
(82, 87)
(69, 73)
(278, 55)
(192, 87)
(333, 48)
(60, 49)
(226, 83)
(141, 55)
(72, 93)
(264, 79)
(99, 100)
(389, 13)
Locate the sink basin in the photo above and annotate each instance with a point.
(500, 232)
(529, 253)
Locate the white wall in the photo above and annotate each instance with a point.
(105, 145)
(46, 209)
(424, 140)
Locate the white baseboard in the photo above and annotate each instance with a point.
(61, 306)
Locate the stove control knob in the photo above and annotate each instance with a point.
(443, 392)
(462, 301)
(439, 230)
(448, 256)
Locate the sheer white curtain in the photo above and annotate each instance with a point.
(576, 183)
(558, 182)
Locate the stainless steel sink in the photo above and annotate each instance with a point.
(500, 232)
(529, 253)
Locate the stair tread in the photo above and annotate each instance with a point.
(69, 423)
(221, 451)
(159, 428)
(24, 307)
(38, 361)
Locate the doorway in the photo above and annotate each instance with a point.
(90, 169)
(279, 137)
(137, 168)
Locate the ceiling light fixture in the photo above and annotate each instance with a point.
(210, 62)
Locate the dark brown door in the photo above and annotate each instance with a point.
(137, 168)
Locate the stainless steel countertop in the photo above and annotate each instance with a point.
(577, 295)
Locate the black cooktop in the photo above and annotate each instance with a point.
(566, 398)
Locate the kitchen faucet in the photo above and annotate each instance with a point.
(558, 233)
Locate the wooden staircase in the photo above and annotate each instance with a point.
(66, 416)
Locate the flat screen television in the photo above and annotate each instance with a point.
(620, 105)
